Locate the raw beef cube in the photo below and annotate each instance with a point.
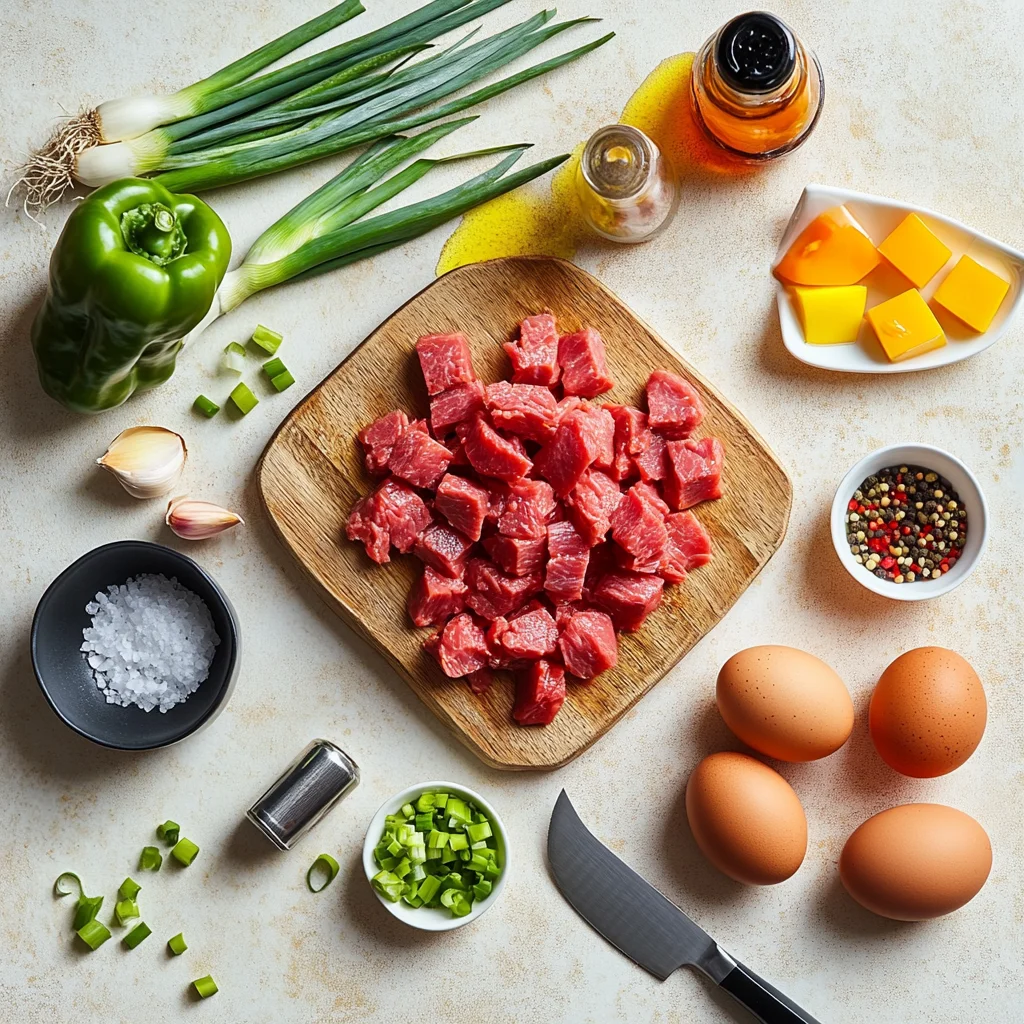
(435, 597)
(535, 355)
(420, 425)
(480, 680)
(629, 597)
(524, 409)
(443, 548)
(379, 438)
(601, 426)
(529, 636)
(651, 462)
(569, 404)
(565, 458)
(590, 504)
(365, 524)
(393, 514)
(489, 453)
(694, 472)
(639, 529)
(582, 359)
(565, 610)
(516, 555)
(540, 693)
(568, 557)
(526, 509)
(463, 503)
(454, 406)
(630, 425)
(673, 404)
(460, 648)
(649, 492)
(588, 644)
(418, 459)
(493, 593)
(602, 562)
(445, 360)
(689, 547)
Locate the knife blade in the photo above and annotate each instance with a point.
(642, 923)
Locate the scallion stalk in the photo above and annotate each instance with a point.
(138, 934)
(322, 871)
(205, 987)
(176, 944)
(185, 850)
(93, 933)
(150, 859)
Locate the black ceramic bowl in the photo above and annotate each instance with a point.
(65, 677)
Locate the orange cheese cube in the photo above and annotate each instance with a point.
(905, 326)
(972, 293)
(832, 250)
(914, 251)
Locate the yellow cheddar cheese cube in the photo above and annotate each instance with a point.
(972, 293)
(832, 250)
(830, 316)
(905, 326)
(914, 251)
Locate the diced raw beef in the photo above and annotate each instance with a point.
(420, 425)
(529, 636)
(564, 459)
(689, 547)
(568, 557)
(379, 438)
(517, 555)
(649, 492)
(535, 355)
(489, 453)
(540, 693)
(445, 360)
(418, 459)
(526, 509)
(463, 503)
(694, 472)
(454, 444)
(460, 648)
(565, 610)
(674, 406)
(588, 644)
(454, 406)
(582, 359)
(435, 597)
(393, 514)
(569, 404)
(524, 409)
(591, 502)
(629, 597)
(639, 529)
(630, 425)
(651, 462)
(480, 680)
(493, 593)
(601, 426)
(602, 561)
(443, 548)
(365, 524)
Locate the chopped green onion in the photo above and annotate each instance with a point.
(457, 841)
(125, 910)
(245, 401)
(266, 339)
(408, 810)
(203, 405)
(205, 987)
(283, 381)
(93, 933)
(150, 859)
(478, 832)
(86, 907)
(326, 868)
(129, 889)
(273, 367)
(233, 360)
(168, 831)
(184, 851)
(140, 932)
(176, 944)
(58, 885)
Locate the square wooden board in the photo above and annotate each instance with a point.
(312, 473)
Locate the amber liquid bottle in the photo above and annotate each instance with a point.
(756, 90)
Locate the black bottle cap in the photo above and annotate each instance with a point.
(756, 52)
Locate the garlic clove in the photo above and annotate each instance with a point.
(198, 520)
(146, 461)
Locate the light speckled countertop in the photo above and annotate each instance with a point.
(924, 103)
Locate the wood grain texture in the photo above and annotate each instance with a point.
(311, 474)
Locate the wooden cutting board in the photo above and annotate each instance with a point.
(312, 473)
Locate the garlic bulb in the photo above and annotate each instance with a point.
(147, 461)
(198, 520)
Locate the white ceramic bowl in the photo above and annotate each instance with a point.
(431, 919)
(963, 482)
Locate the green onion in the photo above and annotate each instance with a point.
(93, 933)
(205, 987)
(139, 933)
(245, 401)
(266, 339)
(203, 405)
(176, 944)
(169, 830)
(273, 367)
(129, 889)
(125, 910)
(233, 360)
(150, 859)
(185, 850)
(325, 868)
(283, 381)
(86, 907)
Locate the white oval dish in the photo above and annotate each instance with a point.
(431, 919)
(966, 486)
(879, 216)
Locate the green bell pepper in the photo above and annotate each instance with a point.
(134, 270)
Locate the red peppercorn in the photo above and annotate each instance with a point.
(888, 562)
(906, 530)
(853, 505)
(878, 544)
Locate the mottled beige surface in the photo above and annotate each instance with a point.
(923, 103)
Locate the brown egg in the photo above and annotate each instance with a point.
(785, 703)
(916, 861)
(927, 713)
(746, 819)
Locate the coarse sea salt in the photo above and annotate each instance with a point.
(151, 642)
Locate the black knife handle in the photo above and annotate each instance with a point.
(766, 1003)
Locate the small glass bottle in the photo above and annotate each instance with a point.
(624, 184)
(756, 90)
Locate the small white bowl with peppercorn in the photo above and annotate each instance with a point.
(909, 522)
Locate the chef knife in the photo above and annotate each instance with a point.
(653, 932)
